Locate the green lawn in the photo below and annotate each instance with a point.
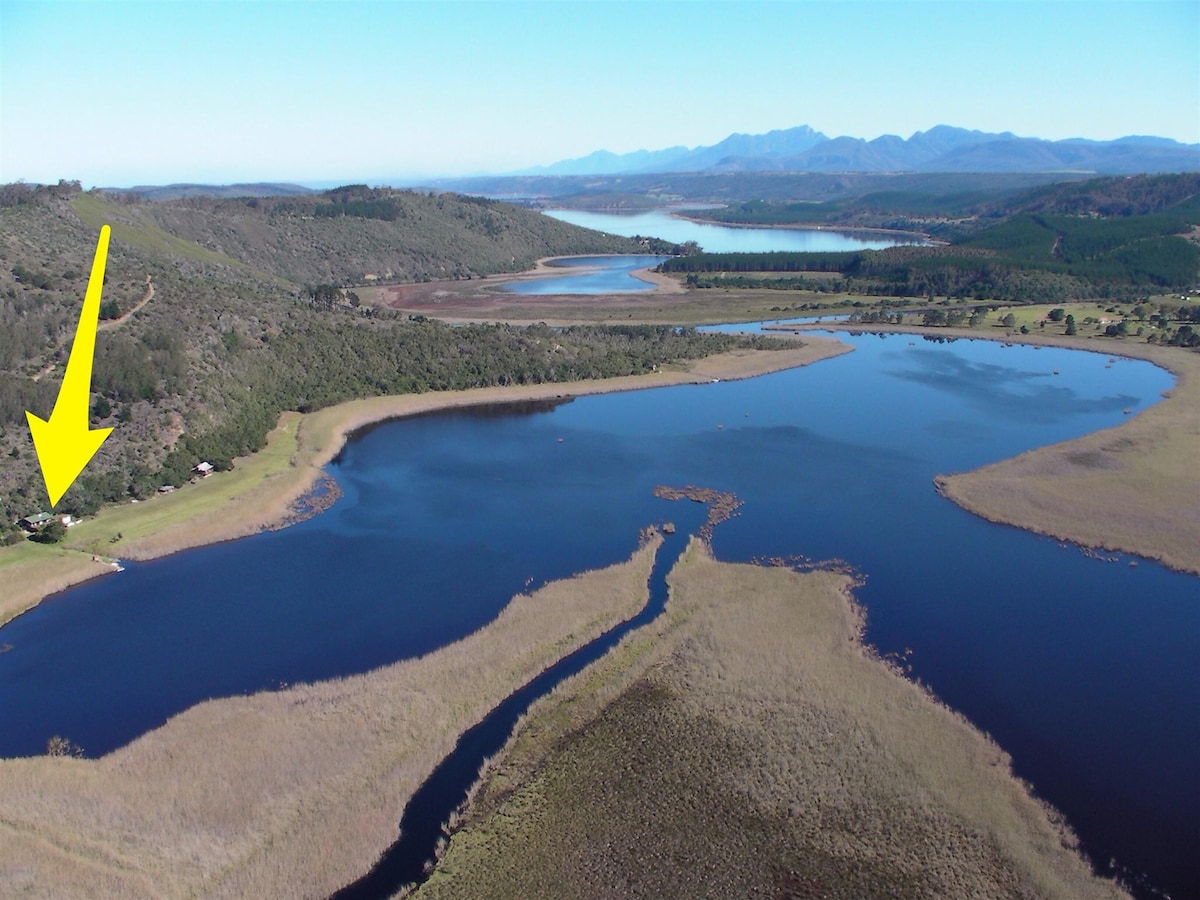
(94, 211)
(137, 520)
(28, 552)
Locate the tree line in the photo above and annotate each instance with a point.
(1029, 258)
(314, 363)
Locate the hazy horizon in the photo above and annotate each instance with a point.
(117, 94)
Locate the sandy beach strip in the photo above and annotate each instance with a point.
(269, 483)
(663, 284)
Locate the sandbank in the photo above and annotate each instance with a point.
(663, 283)
(260, 491)
(1132, 488)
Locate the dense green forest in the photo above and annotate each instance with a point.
(949, 212)
(235, 334)
(1146, 244)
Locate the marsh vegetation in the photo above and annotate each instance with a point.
(746, 744)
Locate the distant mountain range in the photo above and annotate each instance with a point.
(940, 149)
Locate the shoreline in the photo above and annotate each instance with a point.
(403, 295)
(319, 436)
(292, 791)
(663, 283)
(665, 710)
(918, 235)
(304, 445)
(1121, 489)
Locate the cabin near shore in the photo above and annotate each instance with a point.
(34, 522)
(37, 521)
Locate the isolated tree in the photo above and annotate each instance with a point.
(934, 317)
(51, 533)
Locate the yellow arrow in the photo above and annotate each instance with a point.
(64, 443)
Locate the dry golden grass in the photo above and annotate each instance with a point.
(286, 794)
(745, 745)
(32, 571)
(1134, 488)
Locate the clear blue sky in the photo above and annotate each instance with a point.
(151, 92)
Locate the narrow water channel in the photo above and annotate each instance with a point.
(410, 860)
(1082, 669)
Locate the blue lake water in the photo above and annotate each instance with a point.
(612, 274)
(759, 327)
(724, 238)
(1083, 670)
(603, 275)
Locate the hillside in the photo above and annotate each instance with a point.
(355, 234)
(1113, 238)
(617, 192)
(952, 208)
(238, 331)
(175, 191)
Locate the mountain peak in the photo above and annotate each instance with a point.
(940, 148)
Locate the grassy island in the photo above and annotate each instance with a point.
(746, 744)
(285, 793)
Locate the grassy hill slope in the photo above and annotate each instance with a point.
(345, 235)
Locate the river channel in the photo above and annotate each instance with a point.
(1083, 669)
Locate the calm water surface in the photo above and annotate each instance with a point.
(724, 238)
(1083, 670)
(611, 274)
(605, 275)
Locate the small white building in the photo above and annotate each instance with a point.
(203, 469)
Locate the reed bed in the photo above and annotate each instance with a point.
(747, 745)
(1133, 488)
(291, 793)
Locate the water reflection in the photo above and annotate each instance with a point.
(1083, 670)
(1019, 395)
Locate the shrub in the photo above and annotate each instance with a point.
(60, 746)
(51, 533)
